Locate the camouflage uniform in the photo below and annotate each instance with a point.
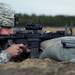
(6, 20)
(54, 49)
(4, 56)
(6, 15)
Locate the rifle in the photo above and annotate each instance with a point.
(33, 38)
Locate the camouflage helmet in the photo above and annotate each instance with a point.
(6, 15)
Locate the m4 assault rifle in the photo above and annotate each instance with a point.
(32, 38)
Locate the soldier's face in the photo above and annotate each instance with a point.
(6, 31)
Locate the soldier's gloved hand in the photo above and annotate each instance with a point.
(16, 49)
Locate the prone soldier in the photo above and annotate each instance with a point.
(6, 25)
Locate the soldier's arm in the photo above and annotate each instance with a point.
(4, 56)
(12, 51)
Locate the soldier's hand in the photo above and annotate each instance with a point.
(16, 49)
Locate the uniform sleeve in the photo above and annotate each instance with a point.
(4, 57)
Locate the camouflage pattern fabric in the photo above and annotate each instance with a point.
(6, 15)
(4, 57)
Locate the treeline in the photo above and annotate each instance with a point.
(54, 21)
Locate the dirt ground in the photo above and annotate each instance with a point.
(38, 67)
(54, 29)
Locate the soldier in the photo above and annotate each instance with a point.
(6, 24)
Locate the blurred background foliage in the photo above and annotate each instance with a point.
(53, 21)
